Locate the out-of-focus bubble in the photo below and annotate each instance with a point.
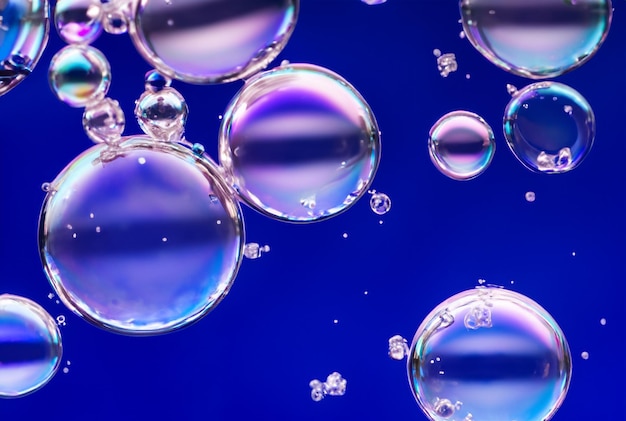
(584, 355)
(446, 64)
(78, 21)
(380, 203)
(537, 39)
(212, 41)
(30, 346)
(144, 238)
(495, 353)
(398, 348)
(335, 385)
(254, 250)
(299, 143)
(373, 2)
(549, 127)
(461, 145)
(162, 114)
(530, 196)
(104, 121)
(79, 75)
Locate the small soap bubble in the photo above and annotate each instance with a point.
(398, 348)
(162, 114)
(254, 250)
(198, 148)
(446, 64)
(511, 89)
(50, 296)
(444, 408)
(104, 121)
(61, 320)
(462, 34)
(573, 254)
(603, 322)
(317, 390)
(155, 81)
(66, 370)
(335, 385)
(437, 52)
(335, 321)
(46, 187)
(461, 145)
(345, 235)
(530, 196)
(115, 22)
(380, 203)
(78, 21)
(585, 355)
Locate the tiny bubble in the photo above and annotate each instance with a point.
(335, 321)
(380, 222)
(603, 321)
(164, 239)
(141, 160)
(366, 292)
(51, 296)
(468, 76)
(58, 302)
(68, 362)
(66, 370)
(219, 222)
(530, 196)
(573, 253)
(481, 281)
(462, 34)
(220, 117)
(98, 229)
(45, 187)
(585, 355)
(345, 235)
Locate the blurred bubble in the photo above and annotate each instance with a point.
(537, 39)
(212, 41)
(398, 348)
(24, 31)
(30, 346)
(102, 235)
(78, 21)
(549, 127)
(104, 121)
(162, 114)
(530, 196)
(254, 250)
(79, 75)
(461, 145)
(584, 355)
(299, 143)
(512, 363)
(446, 64)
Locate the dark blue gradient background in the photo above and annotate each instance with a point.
(253, 357)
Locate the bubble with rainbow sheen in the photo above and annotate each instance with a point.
(537, 39)
(30, 346)
(461, 145)
(550, 127)
(489, 354)
(299, 143)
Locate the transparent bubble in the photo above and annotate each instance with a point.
(530, 196)
(549, 127)
(115, 22)
(212, 41)
(143, 241)
(380, 203)
(30, 346)
(514, 364)
(104, 121)
(162, 114)
(255, 250)
(539, 38)
(79, 74)
(155, 81)
(24, 31)
(461, 145)
(398, 348)
(299, 143)
(335, 385)
(78, 21)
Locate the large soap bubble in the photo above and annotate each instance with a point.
(549, 127)
(212, 41)
(30, 346)
(23, 37)
(489, 354)
(537, 39)
(141, 239)
(299, 143)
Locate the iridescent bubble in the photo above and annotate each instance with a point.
(549, 127)
(141, 239)
(212, 41)
(24, 27)
(104, 121)
(299, 143)
(461, 145)
(79, 75)
(30, 346)
(162, 114)
(78, 21)
(537, 39)
(495, 353)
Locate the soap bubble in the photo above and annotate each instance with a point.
(78, 21)
(549, 127)
(209, 41)
(461, 145)
(536, 39)
(299, 143)
(162, 114)
(30, 346)
(104, 121)
(143, 242)
(79, 75)
(380, 203)
(24, 31)
(155, 81)
(496, 353)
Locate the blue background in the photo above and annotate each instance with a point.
(254, 355)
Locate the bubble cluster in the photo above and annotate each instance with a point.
(335, 385)
(398, 348)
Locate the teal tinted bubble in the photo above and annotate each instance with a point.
(30, 346)
(299, 143)
(549, 127)
(140, 239)
(461, 145)
(537, 39)
(79, 75)
(491, 353)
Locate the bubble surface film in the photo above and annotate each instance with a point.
(536, 38)
(30, 346)
(491, 353)
(549, 127)
(145, 242)
(461, 145)
(299, 143)
(212, 41)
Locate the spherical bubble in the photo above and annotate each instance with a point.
(299, 143)
(155, 81)
(79, 74)
(143, 242)
(104, 121)
(30, 346)
(24, 28)
(115, 22)
(461, 145)
(495, 354)
(78, 21)
(380, 203)
(212, 41)
(549, 127)
(162, 114)
(537, 39)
